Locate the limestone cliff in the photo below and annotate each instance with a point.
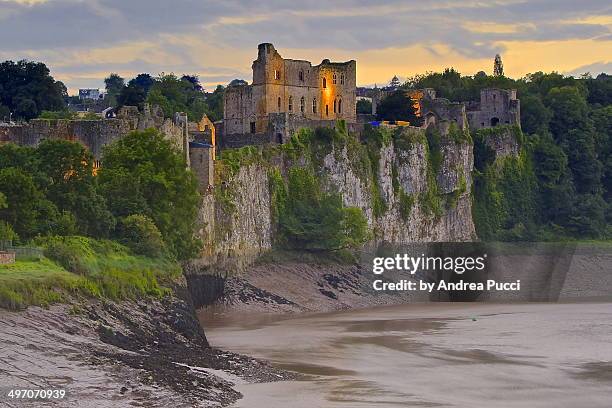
(407, 192)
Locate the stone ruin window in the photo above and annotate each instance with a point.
(278, 102)
(290, 104)
(276, 74)
(324, 83)
(335, 105)
(302, 104)
(314, 105)
(252, 127)
(494, 122)
(301, 76)
(339, 105)
(327, 110)
(334, 79)
(341, 79)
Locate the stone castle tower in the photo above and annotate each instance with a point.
(324, 92)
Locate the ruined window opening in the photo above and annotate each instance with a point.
(324, 83)
(339, 105)
(279, 138)
(302, 103)
(327, 110)
(335, 105)
(334, 79)
(314, 105)
(276, 74)
(494, 122)
(290, 104)
(279, 103)
(301, 76)
(341, 79)
(252, 127)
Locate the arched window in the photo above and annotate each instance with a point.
(327, 110)
(314, 105)
(302, 103)
(341, 79)
(301, 76)
(324, 83)
(335, 105)
(276, 74)
(339, 105)
(334, 79)
(290, 104)
(279, 103)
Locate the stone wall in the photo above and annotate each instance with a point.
(322, 92)
(496, 107)
(202, 164)
(94, 134)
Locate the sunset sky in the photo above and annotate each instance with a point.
(83, 40)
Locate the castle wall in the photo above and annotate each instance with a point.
(202, 164)
(289, 86)
(497, 107)
(93, 134)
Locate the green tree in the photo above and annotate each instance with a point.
(398, 106)
(114, 85)
(69, 183)
(27, 88)
(313, 220)
(535, 116)
(163, 188)
(139, 233)
(364, 106)
(554, 181)
(136, 91)
(569, 108)
(214, 103)
(22, 199)
(177, 95)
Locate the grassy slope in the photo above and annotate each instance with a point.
(84, 267)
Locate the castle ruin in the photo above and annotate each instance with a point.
(287, 94)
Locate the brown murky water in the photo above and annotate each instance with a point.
(430, 355)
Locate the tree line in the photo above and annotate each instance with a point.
(144, 196)
(567, 123)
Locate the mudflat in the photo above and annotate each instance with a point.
(434, 354)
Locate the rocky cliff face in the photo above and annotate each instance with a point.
(404, 198)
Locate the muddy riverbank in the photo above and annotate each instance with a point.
(106, 354)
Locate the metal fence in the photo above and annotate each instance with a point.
(21, 252)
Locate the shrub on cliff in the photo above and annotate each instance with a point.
(141, 235)
(143, 173)
(314, 220)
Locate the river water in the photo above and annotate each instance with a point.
(429, 355)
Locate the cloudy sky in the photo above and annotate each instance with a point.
(83, 40)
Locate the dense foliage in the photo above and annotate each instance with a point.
(311, 219)
(560, 186)
(398, 106)
(172, 93)
(51, 190)
(27, 89)
(144, 174)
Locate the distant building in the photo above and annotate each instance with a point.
(90, 93)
